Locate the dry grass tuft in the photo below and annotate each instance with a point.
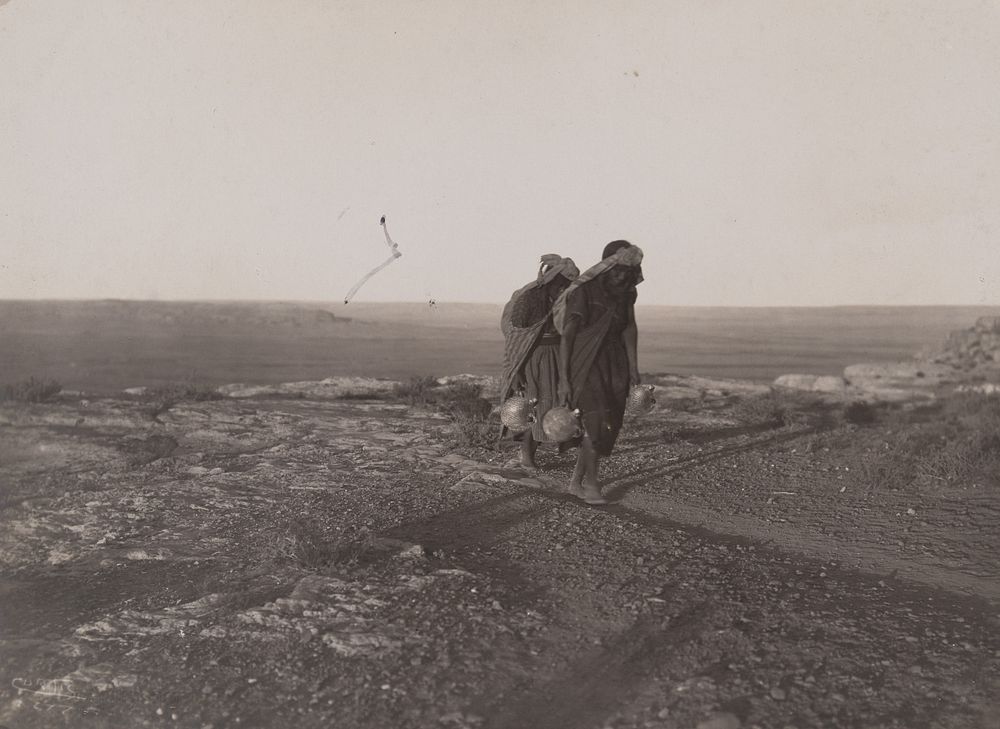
(31, 390)
(959, 448)
(418, 391)
(473, 421)
(767, 409)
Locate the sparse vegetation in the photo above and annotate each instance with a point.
(362, 395)
(770, 408)
(470, 414)
(960, 447)
(142, 451)
(859, 413)
(31, 390)
(463, 403)
(477, 431)
(463, 400)
(417, 391)
(164, 397)
(305, 545)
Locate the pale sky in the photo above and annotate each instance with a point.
(761, 152)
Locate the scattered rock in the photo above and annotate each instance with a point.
(478, 481)
(903, 373)
(58, 556)
(330, 388)
(414, 552)
(985, 388)
(139, 555)
(720, 720)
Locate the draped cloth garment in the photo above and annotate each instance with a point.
(531, 344)
(598, 368)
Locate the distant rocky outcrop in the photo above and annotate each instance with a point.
(969, 355)
(189, 316)
(969, 349)
(898, 374)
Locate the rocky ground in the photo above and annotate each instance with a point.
(334, 554)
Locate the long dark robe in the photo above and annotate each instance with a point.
(599, 368)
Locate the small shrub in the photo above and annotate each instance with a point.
(164, 397)
(463, 400)
(975, 457)
(305, 546)
(362, 395)
(418, 391)
(457, 400)
(184, 392)
(859, 413)
(477, 432)
(889, 469)
(473, 421)
(768, 409)
(32, 390)
(970, 406)
(470, 413)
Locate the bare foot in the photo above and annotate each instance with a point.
(587, 492)
(591, 494)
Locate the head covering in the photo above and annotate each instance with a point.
(629, 256)
(552, 265)
(613, 247)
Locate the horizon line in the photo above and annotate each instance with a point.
(440, 302)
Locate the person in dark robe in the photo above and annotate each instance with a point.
(595, 316)
(531, 351)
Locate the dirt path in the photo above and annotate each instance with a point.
(280, 562)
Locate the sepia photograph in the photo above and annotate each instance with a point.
(452, 364)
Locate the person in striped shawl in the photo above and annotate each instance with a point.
(531, 346)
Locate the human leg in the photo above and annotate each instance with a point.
(528, 448)
(585, 483)
(576, 481)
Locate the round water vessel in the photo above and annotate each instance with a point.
(640, 400)
(517, 413)
(562, 424)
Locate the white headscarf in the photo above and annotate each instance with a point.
(552, 265)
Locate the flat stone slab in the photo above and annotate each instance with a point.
(331, 387)
(812, 383)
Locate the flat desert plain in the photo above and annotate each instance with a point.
(110, 345)
(338, 541)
